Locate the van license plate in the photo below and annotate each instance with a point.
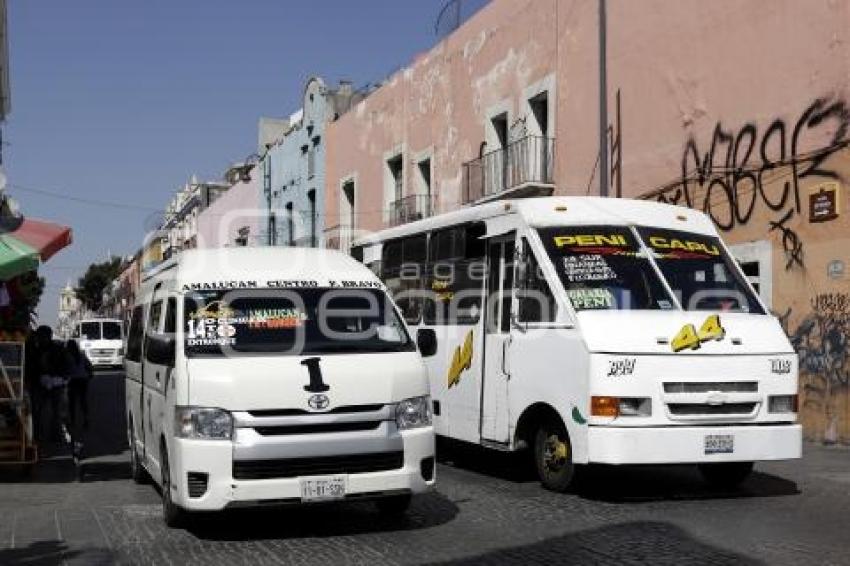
(719, 444)
(323, 488)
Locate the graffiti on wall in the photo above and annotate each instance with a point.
(822, 344)
(746, 168)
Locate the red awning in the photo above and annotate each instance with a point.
(45, 237)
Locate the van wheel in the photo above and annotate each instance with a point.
(726, 474)
(137, 472)
(553, 455)
(174, 515)
(395, 505)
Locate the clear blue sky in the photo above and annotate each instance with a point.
(123, 101)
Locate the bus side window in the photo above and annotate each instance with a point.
(455, 275)
(134, 336)
(170, 326)
(536, 302)
(402, 266)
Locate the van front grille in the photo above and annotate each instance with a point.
(698, 409)
(316, 466)
(300, 412)
(317, 428)
(706, 386)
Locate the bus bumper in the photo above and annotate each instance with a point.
(215, 461)
(694, 445)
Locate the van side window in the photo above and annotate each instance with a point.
(153, 317)
(134, 336)
(536, 302)
(170, 326)
(455, 275)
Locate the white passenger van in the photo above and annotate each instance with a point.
(593, 331)
(102, 341)
(274, 375)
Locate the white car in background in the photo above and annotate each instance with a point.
(102, 340)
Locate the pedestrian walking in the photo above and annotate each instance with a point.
(53, 370)
(80, 372)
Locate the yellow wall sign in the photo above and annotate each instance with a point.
(461, 360)
(689, 338)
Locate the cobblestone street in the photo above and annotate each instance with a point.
(787, 513)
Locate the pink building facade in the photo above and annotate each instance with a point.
(736, 107)
(233, 219)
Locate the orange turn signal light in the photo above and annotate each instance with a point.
(604, 406)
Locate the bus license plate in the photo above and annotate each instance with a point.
(323, 488)
(719, 444)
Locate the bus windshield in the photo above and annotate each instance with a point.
(700, 273)
(604, 267)
(292, 322)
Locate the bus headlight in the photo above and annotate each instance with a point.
(782, 404)
(203, 423)
(620, 406)
(413, 413)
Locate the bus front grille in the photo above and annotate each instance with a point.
(316, 466)
(707, 386)
(700, 409)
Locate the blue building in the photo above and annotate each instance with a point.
(292, 165)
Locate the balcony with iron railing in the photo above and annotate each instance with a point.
(411, 208)
(338, 237)
(522, 168)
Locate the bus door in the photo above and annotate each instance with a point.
(497, 336)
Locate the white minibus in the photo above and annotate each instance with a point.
(274, 375)
(102, 341)
(593, 330)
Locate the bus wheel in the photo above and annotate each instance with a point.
(553, 455)
(137, 472)
(726, 474)
(174, 516)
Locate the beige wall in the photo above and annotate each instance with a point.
(735, 107)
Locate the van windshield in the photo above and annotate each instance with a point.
(604, 268)
(111, 331)
(292, 322)
(699, 271)
(90, 330)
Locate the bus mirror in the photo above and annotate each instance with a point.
(426, 341)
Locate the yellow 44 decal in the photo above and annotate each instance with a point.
(461, 360)
(689, 338)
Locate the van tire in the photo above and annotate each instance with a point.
(137, 472)
(174, 515)
(394, 505)
(726, 474)
(553, 456)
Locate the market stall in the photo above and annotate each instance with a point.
(24, 244)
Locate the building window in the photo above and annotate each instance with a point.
(311, 198)
(395, 166)
(348, 197)
(424, 170)
(290, 224)
(539, 105)
(272, 229)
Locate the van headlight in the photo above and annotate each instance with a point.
(413, 413)
(203, 423)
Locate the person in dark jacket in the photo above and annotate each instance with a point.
(80, 372)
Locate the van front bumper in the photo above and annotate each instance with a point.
(215, 459)
(687, 444)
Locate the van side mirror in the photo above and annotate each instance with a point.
(426, 341)
(161, 350)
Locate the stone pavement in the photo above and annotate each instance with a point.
(486, 510)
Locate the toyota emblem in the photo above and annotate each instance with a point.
(319, 401)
